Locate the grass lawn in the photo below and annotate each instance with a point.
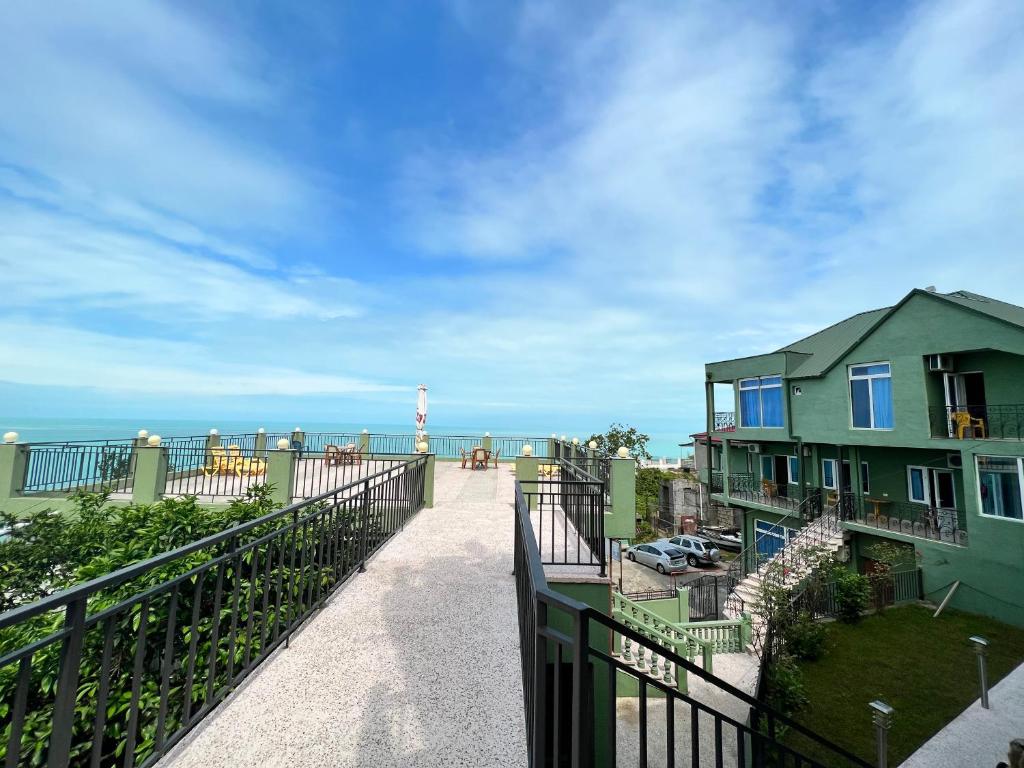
(923, 667)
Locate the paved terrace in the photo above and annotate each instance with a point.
(415, 662)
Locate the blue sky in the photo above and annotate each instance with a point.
(547, 215)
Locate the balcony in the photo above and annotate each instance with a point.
(725, 421)
(919, 520)
(977, 422)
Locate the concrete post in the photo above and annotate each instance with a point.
(13, 469)
(298, 436)
(620, 523)
(683, 596)
(726, 445)
(212, 440)
(551, 446)
(428, 481)
(528, 473)
(260, 447)
(746, 630)
(150, 474)
(281, 474)
(487, 442)
(364, 442)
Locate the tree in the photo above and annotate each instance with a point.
(619, 435)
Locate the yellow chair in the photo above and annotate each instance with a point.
(216, 462)
(965, 421)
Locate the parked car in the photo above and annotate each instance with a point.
(696, 549)
(663, 557)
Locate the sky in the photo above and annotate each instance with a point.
(550, 213)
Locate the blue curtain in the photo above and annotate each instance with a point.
(771, 404)
(861, 403)
(750, 411)
(916, 485)
(828, 469)
(881, 393)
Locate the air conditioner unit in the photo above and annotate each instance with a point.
(753, 448)
(942, 363)
(954, 461)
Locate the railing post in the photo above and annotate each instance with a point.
(683, 596)
(746, 630)
(487, 442)
(364, 526)
(298, 439)
(67, 685)
(981, 650)
(212, 440)
(364, 442)
(541, 723)
(582, 715)
(281, 472)
(881, 715)
(621, 523)
(428, 481)
(260, 444)
(13, 466)
(150, 472)
(527, 473)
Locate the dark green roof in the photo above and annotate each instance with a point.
(825, 348)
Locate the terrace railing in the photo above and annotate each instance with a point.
(317, 474)
(922, 520)
(899, 586)
(982, 422)
(573, 664)
(725, 421)
(66, 467)
(116, 670)
(569, 515)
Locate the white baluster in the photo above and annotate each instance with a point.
(627, 655)
(668, 673)
(641, 657)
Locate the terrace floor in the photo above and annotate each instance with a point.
(415, 662)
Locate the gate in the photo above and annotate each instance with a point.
(704, 599)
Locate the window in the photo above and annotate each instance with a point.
(917, 485)
(829, 473)
(761, 402)
(865, 477)
(794, 470)
(1000, 483)
(767, 468)
(871, 396)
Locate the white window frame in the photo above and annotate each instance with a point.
(925, 485)
(760, 403)
(1020, 480)
(789, 469)
(850, 378)
(835, 474)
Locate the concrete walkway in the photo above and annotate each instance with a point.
(414, 663)
(978, 737)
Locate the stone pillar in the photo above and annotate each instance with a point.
(150, 474)
(364, 442)
(212, 440)
(620, 523)
(428, 481)
(13, 468)
(487, 442)
(298, 436)
(528, 473)
(260, 446)
(551, 446)
(281, 474)
(726, 444)
(683, 596)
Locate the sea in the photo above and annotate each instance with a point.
(59, 429)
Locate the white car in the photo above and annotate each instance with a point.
(696, 549)
(660, 555)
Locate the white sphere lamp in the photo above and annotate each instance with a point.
(527, 450)
(153, 441)
(143, 433)
(592, 445)
(623, 452)
(283, 444)
(10, 437)
(214, 432)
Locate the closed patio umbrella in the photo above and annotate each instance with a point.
(421, 411)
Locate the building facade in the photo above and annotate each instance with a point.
(909, 420)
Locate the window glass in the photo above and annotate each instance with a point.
(750, 408)
(916, 490)
(794, 469)
(870, 370)
(860, 395)
(768, 381)
(999, 483)
(767, 468)
(828, 473)
(760, 402)
(881, 403)
(865, 477)
(871, 396)
(771, 407)
(748, 384)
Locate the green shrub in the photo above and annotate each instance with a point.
(785, 684)
(804, 638)
(852, 592)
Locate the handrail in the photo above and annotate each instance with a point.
(64, 597)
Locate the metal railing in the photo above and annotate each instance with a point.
(217, 471)
(893, 588)
(921, 520)
(316, 475)
(978, 422)
(116, 670)
(66, 467)
(572, 670)
(725, 420)
(569, 518)
(746, 487)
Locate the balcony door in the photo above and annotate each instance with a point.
(965, 392)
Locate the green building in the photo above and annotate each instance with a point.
(907, 423)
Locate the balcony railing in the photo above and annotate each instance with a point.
(568, 514)
(920, 520)
(725, 421)
(978, 422)
(574, 660)
(116, 670)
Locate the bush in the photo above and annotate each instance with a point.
(853, 591)
(786, 685)
(805, 638)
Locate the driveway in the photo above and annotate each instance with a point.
(640, 578)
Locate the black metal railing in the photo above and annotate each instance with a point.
(922, 520)
(573, 667)
(892, 588)
(569, 516)
(65, 467)
(216, 471)
(115, 671)
(978, 422)
(725, 420)
(717, 484)
(317, 474)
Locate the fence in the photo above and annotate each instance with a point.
(66, 467)
(571, 671)
(314, 476)
(212, 472)
(117, 670)
(890, 589)
(973, 422)
(921, 520)
(569, 516)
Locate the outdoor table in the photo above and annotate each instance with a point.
(480, 457)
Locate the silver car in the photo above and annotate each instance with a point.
(663, 557)
(696, 549)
